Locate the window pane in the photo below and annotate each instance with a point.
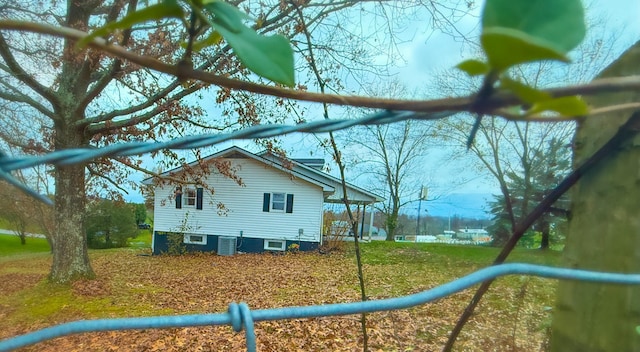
(196, 238)
(190, 197)
(277, 202)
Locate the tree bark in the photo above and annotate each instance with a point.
(604, 234)
(392, 224)
(70, 254)
(545, 229)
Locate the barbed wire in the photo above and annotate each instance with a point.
(80, 155)
(240, 317)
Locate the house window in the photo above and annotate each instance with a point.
(277, 202)
(190, 238)
(189, 197)
(274, 245)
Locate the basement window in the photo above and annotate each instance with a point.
(195, 239)
(274, 245)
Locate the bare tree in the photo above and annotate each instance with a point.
(504, 149)
(393, 156)
(26, 213)
(80, 99)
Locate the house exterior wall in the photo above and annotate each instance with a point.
(244, 213)
(244, 244)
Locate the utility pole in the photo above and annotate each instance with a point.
(422, 196)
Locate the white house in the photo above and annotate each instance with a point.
(473, 234)
(279, 203)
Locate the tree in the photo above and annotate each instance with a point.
(68, 96)
(540, 39)
(110, 224)
(544, 176)
(392, 156)
(12, 209)
(23, 212)
(510, 151)
(603, 231)
(141, 213)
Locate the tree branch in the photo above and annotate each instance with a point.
(116, 65)
(448, 104)
(103, 127)
(106, 178)
(23, 98)
(19, 73)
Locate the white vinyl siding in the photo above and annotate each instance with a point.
(244, 206)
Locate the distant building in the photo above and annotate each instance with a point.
(472, 234)
(375, 231)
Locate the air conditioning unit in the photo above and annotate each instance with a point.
(226, 245)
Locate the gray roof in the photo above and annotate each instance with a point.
(332, 186)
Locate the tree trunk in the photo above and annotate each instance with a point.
(545, 229)
(70, 254)
(392, 224)
(604, 234)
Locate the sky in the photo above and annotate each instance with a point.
(424, 53)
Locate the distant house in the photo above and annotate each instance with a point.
(472, 234)
(279, 204)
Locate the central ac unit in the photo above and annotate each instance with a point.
(226, 245)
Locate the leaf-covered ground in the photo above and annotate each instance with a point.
(514, 315)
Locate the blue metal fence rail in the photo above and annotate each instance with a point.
(240, 317)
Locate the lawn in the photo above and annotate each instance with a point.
(10, 245)
(514, 315)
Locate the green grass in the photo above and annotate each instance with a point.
(382, 252)
(10, 245)
(142, 241)
(399, 263)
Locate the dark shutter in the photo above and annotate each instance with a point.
(179, 198)
(289, 206)
(199, 193)
(265, 202)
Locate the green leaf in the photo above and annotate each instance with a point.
(166, 9)
(213, 38)
(506, 47)
(270, 57)
(227, 15)
(473, 67)
(638, 329)
(515, 32)
(566, 106)
(526, 93)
